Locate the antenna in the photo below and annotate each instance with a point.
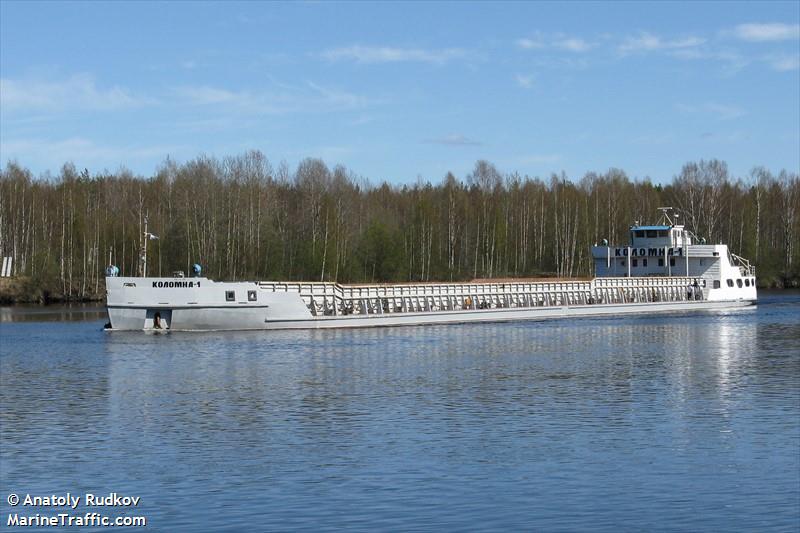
(665, 215)
(147, 237)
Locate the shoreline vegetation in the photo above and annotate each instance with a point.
(242, 218)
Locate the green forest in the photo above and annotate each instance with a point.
(241, 217)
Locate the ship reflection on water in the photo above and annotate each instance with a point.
(686, 420)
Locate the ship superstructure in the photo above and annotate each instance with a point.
(670, 250)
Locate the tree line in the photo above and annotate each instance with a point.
(243, 218)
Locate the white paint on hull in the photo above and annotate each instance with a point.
(244, 318)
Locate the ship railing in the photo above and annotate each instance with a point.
(649, 290)
(745, 267)
(327, 299)
(458, 302)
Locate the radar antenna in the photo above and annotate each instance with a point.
(665, 216)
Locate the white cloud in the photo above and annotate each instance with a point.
(730, 137)
(573, 45)
(721, 111)
(310, 97)
(335, 98)
(205, 95)
(79, 92)
(784, 63)
(386, 54)
(731, 60)
(83, 152)
(525, 81)
(454, 140)
(735, 61)
(647, 42)
(767, 32)
(529, 44)
(557, 40)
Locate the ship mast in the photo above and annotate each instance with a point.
(147, 237)
(665, 216)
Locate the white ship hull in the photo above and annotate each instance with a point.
(145, 303)
(215, 319)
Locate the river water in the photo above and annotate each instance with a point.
(672, 423)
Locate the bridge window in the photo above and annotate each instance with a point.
(739, 283)
(639, 234)
(716, 284)
(652, 234)
(747, 282)
(230, 296)
(251, 296)
(730, 283)
(662, 233)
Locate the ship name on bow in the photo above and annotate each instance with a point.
(175, 284)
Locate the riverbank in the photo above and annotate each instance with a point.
(25, 290)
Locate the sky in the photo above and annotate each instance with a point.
(403, 91)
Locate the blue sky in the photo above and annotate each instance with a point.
(397, 91)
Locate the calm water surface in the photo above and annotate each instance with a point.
(681, 422)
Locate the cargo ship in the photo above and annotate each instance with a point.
(664, 268)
